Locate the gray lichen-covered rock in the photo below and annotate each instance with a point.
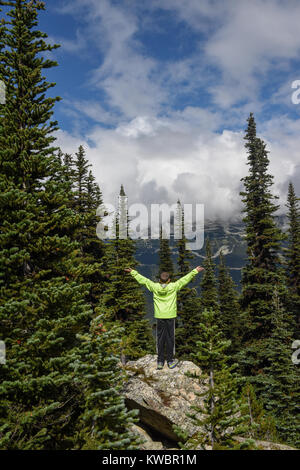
(265, 445)
(163, 397)
(148, 442)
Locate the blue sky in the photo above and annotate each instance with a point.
(158, 92)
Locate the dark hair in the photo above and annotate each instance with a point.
(164, 276)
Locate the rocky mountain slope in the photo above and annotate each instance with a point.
(228, 237)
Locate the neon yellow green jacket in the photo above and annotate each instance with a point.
(164, 295)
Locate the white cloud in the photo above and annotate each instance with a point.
(283, 139)
(76, 45)
(245, 40)
(141, 125)
(160, 160)
(91, 109)
(202, 16)
(125, 73)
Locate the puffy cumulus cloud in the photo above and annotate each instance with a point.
(142, 125)
(166, 159)
(69, 143)
(214, 176)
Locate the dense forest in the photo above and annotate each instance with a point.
(70, 316)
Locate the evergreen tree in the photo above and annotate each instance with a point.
(219, 414)
(165, 258)
(282, 394)
(292, 253)
(262, 271)
(2, 33)
(42, 306)
(188, 301)
(81, 172)
(105, 422)
(209, 290)
(261, 425)
(184, 255)
(229, 307)
(123, 301)
(87, 198)
(68, 171)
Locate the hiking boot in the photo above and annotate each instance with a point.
(172, 364)
(160, 365)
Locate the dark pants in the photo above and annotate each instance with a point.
(165, 337)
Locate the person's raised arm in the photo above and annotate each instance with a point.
(184, 280)
(141, 279)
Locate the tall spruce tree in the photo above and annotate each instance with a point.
(68, 171)
(123, 301)
(229, 307)
(42, 303)
(188, 301)
(41, 307)
(87, 198)
(218, 415)
(260, 424)
(81, 172)
(94, 248)
(105, 423)
(282, 394)
(184, 255)
(262, 271)
(292, 254)
(209, 290)
(165, 258)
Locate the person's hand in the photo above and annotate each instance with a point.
(127, 270)
(199, 269)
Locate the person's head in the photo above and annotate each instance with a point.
(164, 277)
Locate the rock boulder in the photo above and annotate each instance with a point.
(163, 397)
